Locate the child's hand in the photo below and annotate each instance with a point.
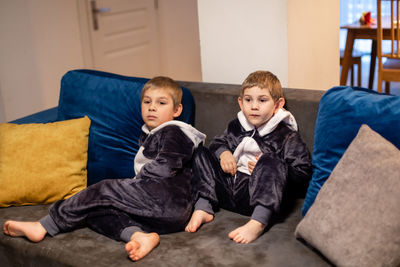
(228, 162)
(252, 164)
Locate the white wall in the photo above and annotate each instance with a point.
(39, 43)
(296, 40)
(238, 37)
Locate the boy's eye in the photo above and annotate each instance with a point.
(247, 99)
(146, 101)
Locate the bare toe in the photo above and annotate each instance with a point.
(198, 218)
(247, 233)
(141, 244)
(34, 231)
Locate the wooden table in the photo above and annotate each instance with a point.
(358, 31)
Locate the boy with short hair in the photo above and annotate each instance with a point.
(158, 200)
(257, 156)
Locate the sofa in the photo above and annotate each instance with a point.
(214, 104)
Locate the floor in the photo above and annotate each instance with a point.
(394, 86)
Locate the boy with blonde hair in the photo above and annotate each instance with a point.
(257, 156)
(157, 200)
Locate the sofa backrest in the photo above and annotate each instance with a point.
(216, 105)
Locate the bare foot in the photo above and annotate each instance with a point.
(248, 232)
(198, 218)
(34, 231)
(141, 244)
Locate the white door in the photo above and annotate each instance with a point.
(123, 36)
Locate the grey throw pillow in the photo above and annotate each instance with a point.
(355, 220)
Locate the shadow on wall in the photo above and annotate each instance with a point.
(2, 109)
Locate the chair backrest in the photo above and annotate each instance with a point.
(394, 22)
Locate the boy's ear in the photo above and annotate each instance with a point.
(240, 103)
(178, 110)
(279, 104)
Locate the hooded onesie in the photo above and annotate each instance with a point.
(159, 198)
(282, 158)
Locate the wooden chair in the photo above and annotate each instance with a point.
(390, 71)
(355, 60)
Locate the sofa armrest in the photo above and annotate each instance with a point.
(48, 115)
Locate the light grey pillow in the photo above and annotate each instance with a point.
(355, 220)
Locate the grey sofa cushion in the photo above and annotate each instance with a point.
(355, 220)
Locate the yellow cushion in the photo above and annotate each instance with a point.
(42, 163)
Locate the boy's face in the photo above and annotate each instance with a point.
(258, 106)
(158, 107)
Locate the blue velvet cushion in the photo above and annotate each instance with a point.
(45, 116)
(342, 111)
(112, 102)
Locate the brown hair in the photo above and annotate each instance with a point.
(263, 80)
(167, 83)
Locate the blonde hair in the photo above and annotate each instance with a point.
(166, 83)
(263, 80)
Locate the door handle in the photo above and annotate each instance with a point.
(96, 11)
